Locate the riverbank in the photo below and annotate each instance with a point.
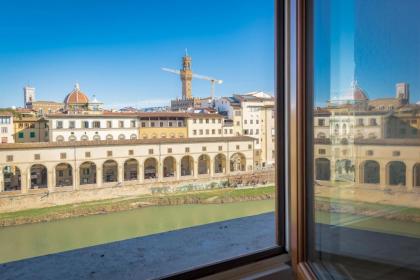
(217, 196)
(367, 209)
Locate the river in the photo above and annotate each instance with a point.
(26, 241)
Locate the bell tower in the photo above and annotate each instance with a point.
(29, 96)
(186, 76)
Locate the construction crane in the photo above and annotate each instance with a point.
(213, 81)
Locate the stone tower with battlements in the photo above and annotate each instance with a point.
(186, 77)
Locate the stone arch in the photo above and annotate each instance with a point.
(187, 166)
(87, 171)
(39, 176)
(133, 136)
(150, 168)
(344, 141)
(220, 163)
(72, 138)
(416, 175)
(237, 162)
(131, 167)
(12, 178)
(396, 173)
(370, 172)
(97, 137)
(322, 169)
(84, 138)
(110, 171)
(109, 137)
(169, 167)
(121, 137)
(63, 175)
(321, 135)
(59, 138)
(203, 164)
(344, 170)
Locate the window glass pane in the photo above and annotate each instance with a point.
(366, 144)
(147, 171)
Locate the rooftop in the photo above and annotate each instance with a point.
(40, 145)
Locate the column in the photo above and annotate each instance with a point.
(195, 169)
(159, 170)
(99, 176)
(25, 182)
(332, 170)
(409, 182)
(357, 172)
(1, 179)
(76, 178)
(51, 180)
(140, 174)
(382, 175)
(178, 170)
(120, 173)
(211, 168)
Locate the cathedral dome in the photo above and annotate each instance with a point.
(76, 97)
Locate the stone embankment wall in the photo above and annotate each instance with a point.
(43, 198)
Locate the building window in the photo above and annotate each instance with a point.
(96, 124)
(180, 124)
(9, 158)
(321, 151)
(143, 124)
(213, 131)
(219, 120)
(169, 150)
(130, 152)
(219, 131)
(249, 146)
(207, 131)
(396, 153)
(321, 122)
(372, 122)
(194, 132)
(201, 132)
(161, 124)
(207, 120)
(204, 148)
(37, 156)
(213, 120)
(194, 121)
(133, 124)
(21, 135)
(72, 124)
(109, 153)
(150, 151)
(32, 134)
(63, 155)
(109, 124)
(87, 154)
(369, 153)
(121, 124)
(59, 124)
(187, 149)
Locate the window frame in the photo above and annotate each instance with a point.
(279, 248)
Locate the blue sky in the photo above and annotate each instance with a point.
(115, 49)
(375, 42)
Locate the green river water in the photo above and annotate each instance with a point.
(25, 241)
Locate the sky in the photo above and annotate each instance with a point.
(116, 49)
(373, 42)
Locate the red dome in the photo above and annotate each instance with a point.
(76, 97)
